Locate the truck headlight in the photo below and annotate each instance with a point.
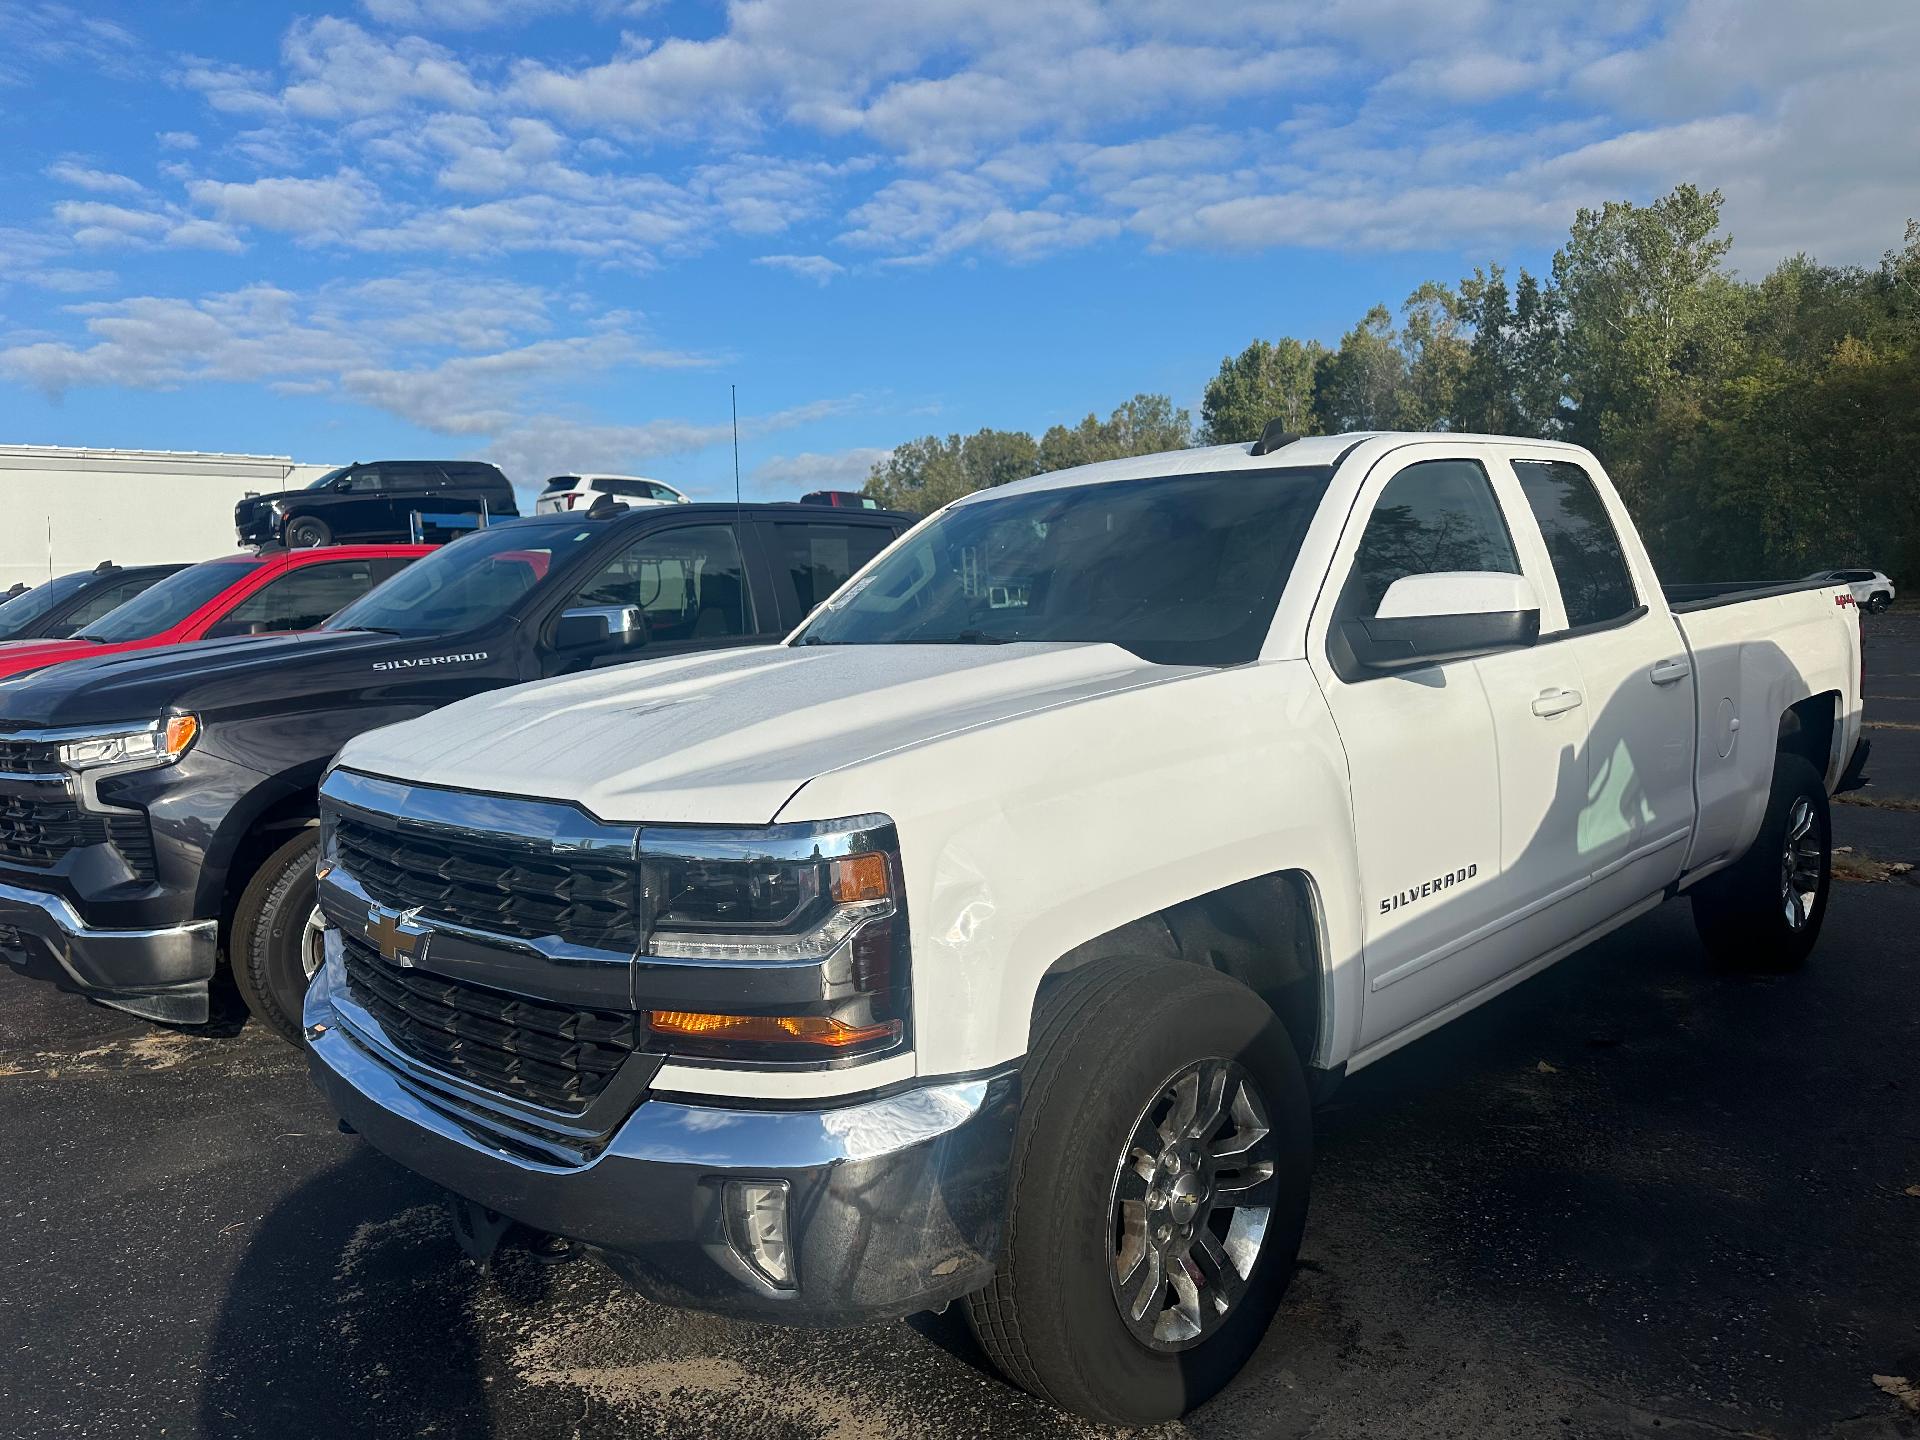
(829, 896)
(131, 747)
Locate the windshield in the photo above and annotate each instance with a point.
(21, 612)
(471, 582)
(168, 602)
(327, 479)
(1179, 570)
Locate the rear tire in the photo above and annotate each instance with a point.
(1097, 1221)
(1878, 602)
(268, 948)
(1763, 914)
(307, 532)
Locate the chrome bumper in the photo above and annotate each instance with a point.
(894, 1205)
(161, 974)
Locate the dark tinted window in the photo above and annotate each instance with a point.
(819, 557)
(26, 610)
(170, 601)
(1434, 516)
(473, 581)
(1594, 580)
(362, 482)
(301, 599)
(105, 598)
(560, 482)
(690, 581)
(1179, 569)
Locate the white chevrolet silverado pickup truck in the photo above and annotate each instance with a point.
(992, 936)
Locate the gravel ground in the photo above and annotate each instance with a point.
(1627, 1198)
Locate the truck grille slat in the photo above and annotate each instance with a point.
(552, 1055)
(28, 757)
(466, 881)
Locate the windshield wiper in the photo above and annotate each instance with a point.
(972, 637)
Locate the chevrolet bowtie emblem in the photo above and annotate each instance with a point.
(398, 935)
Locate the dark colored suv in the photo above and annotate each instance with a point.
(379, 501)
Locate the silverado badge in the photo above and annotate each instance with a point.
(398, 935)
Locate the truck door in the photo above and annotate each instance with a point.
(1466, 776)
(1633, 828)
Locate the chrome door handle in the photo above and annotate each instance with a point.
(1669, 672)
(1555, 702)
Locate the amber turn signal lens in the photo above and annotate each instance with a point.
(860, 877)
(180, 732)
(771, 1029)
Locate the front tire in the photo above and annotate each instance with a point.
(306, 532)
(1763, 913)
(1159, 1190)
(271, 949)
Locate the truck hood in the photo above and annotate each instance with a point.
(140, 683)
(727, 738)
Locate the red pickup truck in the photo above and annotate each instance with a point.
(248, 594)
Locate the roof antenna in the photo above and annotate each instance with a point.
(1272, 438)
(733, 396)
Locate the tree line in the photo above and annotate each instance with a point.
(1756, 429)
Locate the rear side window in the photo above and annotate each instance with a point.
(560, 482)
(1592, 568)
(301, 599)
(819, 558)
(1434, 516)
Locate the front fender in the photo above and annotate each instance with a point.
(1025, 838)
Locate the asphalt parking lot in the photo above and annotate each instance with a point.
(1630, 1197)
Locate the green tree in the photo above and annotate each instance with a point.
(924, 474)
(1364, 384)
(1264, 382)
(1145, 425)
(1433, 339)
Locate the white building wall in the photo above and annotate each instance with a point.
(67, 509)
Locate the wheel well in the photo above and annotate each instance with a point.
(1263, 932)
(273, 828)
(1807, 730)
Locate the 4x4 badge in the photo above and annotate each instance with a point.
(398, 935)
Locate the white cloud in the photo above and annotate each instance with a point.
(481, 14)
(204, 235)
(342, 71)
(333, 206)
(790, 476)
(178, 140)
(817, 268)
(99, 182)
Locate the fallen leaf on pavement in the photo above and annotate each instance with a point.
(1545, 1069)
(1902, 1389)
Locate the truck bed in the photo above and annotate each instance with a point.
(1682, 599)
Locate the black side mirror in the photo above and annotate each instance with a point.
(1447, 615)
(1414, 640)
(601, 629)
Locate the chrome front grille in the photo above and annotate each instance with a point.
(556, 1056)
(473, 880)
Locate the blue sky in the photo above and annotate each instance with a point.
(552, 232)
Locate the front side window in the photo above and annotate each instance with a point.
(819, 559)
(169, 601)
(691, 582)
(1178, 569)
(1595, 583)
(363, 482)
(1434, 516)
(301, 599)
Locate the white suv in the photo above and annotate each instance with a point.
(578, 492)
(1871, 589)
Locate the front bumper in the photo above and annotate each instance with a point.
(160, 973)
(895, 1205)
